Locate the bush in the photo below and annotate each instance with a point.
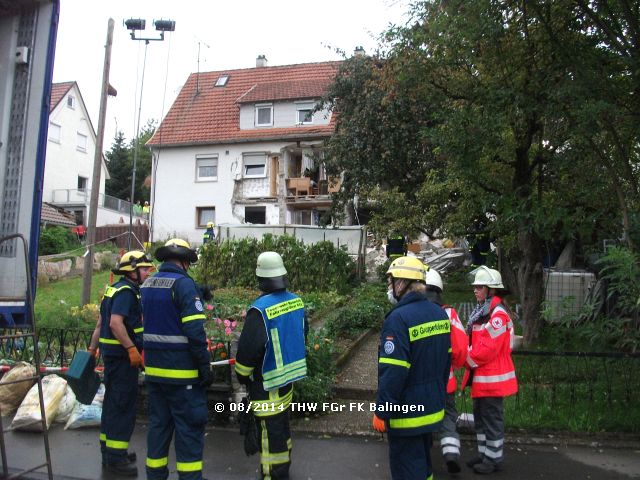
(55, 240)
(321, 369)
(317, 267)
(367, 310)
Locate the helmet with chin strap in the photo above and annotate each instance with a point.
(131, 261)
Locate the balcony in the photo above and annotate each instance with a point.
(75, 197)
(305, 187)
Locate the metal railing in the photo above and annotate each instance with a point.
(77, 196)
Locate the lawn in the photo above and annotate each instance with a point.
(55, 299)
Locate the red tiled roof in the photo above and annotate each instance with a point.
(213, 114)
(56, 216)
(58, 91)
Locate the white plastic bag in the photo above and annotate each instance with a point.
(87, 415)
(12, 395)
(67, 405)
(28, 415)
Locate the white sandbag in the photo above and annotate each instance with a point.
(12, 395)
(87, 415)
(28, 415)
(67, 405)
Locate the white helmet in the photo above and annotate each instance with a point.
(434, 279)
(270, 265)
(486, 276)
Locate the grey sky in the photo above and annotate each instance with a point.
(231, 35)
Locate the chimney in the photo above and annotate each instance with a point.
(261, 61)
(358, 52)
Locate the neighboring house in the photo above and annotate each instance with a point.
(241, 146)
(71, 149)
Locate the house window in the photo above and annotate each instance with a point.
(71, 102)
(83, 182)
(222, 80)
(81, 142)
(206, 168)
(264, 115)
(304, 112)
(254, 165)
(54, 132)
(255, 215)
(205, 215)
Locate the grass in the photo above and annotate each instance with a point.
(55, 299)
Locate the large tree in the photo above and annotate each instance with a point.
(485, 94)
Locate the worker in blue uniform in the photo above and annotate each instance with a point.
(119, 331)
(177, 364)
(209, 234)
(271, 356)
(413, 369)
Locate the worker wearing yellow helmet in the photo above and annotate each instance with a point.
(413, 369)
(119, 331)
(209, 234)
(177, 371)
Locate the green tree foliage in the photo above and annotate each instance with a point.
(490, 109)
(55, 240)
(120, 165)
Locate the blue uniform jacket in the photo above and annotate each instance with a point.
(122, 298)
(175, 343)
(413, 366)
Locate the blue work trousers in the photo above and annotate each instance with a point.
(118, 409)
(410, 457)
(181, 409)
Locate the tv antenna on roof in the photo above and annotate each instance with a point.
(200, 42)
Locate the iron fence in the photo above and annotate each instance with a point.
(57, 346)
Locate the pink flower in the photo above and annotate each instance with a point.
(209, 307)
(218, 321)
(227, 322)
(234, 324)
(227, 330)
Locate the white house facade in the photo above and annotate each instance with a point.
(246, 151)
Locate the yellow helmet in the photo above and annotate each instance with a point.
(408, 267)
(177, 249)
(130, 261)
(209, 224)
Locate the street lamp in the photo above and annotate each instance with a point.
(137, 25)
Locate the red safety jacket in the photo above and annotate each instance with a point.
(489, 356)
(459, 345)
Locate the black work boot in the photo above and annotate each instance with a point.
(453, 465)
(124, 469)
(474, 461)
(485, 468)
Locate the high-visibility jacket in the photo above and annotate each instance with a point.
(459, 346)
(285, 357)
(489, 355)
(175, 343)
(413, 366)
(121, 298)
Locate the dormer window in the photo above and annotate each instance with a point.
(71, 102)
(222, 80)
(264, 115)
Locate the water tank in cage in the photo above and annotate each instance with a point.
(566, 291)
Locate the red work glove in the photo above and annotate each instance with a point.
(135, 360)
(378, 424)
(94, 352)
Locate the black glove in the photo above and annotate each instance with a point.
(205, 375)
(249, 429)
(205, 292)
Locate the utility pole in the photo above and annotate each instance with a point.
(97, 170)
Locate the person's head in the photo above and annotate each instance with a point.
(134, 265)
(405, 274)
(178, 252)
(209, 224)
(138, 202)
(486, 281)
(271, 273)
(146, 203)
(433, 281)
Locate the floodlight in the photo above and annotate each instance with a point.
(135, 24)
(165, 25)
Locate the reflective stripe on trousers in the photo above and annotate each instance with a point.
(489, 423)
(275, 446)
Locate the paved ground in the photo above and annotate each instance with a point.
(75, 454)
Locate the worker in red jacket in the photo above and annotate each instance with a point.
(449, 438)
(490, 369)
